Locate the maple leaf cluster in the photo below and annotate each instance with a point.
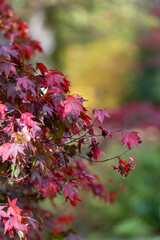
(124, 168)
(17, 31)
(43, 129)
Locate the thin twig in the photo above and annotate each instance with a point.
(105, 160)
(82, 136)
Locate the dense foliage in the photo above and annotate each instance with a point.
(43, 130)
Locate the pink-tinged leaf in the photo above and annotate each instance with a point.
(54, 78)
(42, 68)
(13, 152)
(132, 163)
(3, 213)
(130, 138)
(13, 208)
(3, 109)
(24, 81)
(26, 118)
(1, 207)
(11, 223)
(100, 114)
(4, 150)
(73, 105)
(10, 151)
(7, 68)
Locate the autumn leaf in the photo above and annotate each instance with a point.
(7, 68)
(35, 175)
(8, 51)
(95, 150)
(24, 81)
(26, 118)
(9, 224)
(3, 109)
(106, 132)
(13, 208)
(100, 114)
(47, 110)
(54, 78)
(10, 151)
(125, 167)
(3, 213)
(42, 68)
(130, 138)
(42, 131)
(71, 194)
(73, 105)
(4, 150)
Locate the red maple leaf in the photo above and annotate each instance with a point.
(70, 193)
(3, 213)
(13, 208)
(100, 114)
(130, 138)
(54, 78)
(24, 81)
(26, 118)
(7, 68)
(106, 132)
(73, 105)
(9, 224)
(42, 68)
(8, 51)
(4, 151)
(3, 109)
(10, 151)
(124, 168)
(95, 150)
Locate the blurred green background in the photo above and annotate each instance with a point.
(110, 50)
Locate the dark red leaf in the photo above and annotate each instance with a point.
(42, 68)
(70, 193)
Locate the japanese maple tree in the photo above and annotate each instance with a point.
(43, 129)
